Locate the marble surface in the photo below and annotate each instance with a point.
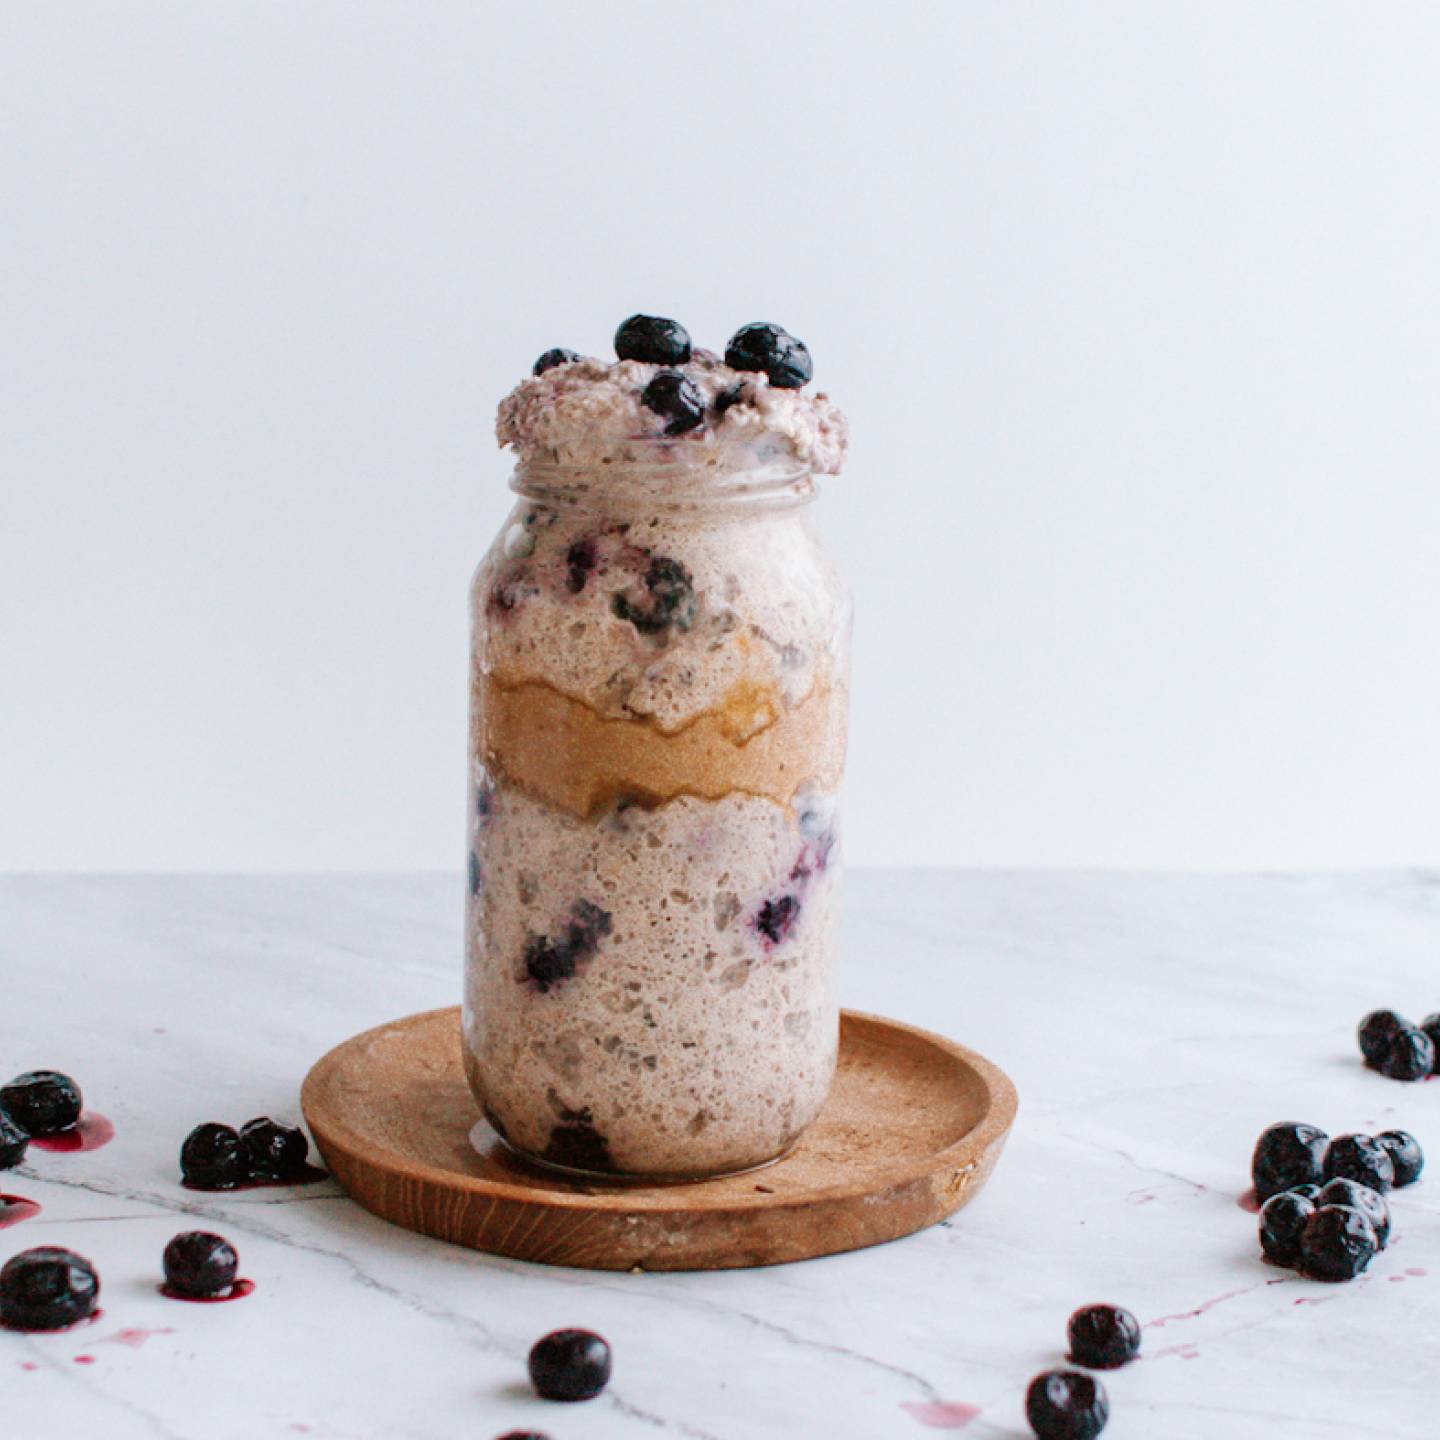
(1153, 1024)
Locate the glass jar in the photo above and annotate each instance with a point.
(659, 695)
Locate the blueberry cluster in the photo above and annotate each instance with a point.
(758, 348)
(39, 1102)
(1068, 1404)
(1395, 1047)
(549, 960)
(1323, 1208)
(263, 1151)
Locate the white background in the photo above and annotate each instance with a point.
(1134, 308)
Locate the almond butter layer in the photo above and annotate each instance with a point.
(562, 751)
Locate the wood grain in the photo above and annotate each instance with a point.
(912, 1130)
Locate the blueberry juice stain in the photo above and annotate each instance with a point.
(90, 1132)
(238, 1291)
(15, 1208)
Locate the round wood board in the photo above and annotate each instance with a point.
(912, 1129)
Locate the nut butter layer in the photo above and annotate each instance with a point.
(561, 750)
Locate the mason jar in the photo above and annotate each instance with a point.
(659, 688)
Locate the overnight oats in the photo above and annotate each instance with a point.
(658, 712)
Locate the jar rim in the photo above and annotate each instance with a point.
(668, 480)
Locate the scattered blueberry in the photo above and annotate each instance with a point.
(42, 1102)
(47, 1289)
(1376, 1032)
(1066, 1405)
(570, 1365)
(273, 1151)
(13, 1142)
(1411, 1055)
(1337, 1243)
(212, 1158)
(1370, 1203)
(1103, 1337)
(1361, 1158)
(1282, 1221)
(669, 598)
(676, 398)
(1287, 1155)
(772, 349)
(199, 1264)
(728, 398)
(1406, 1156)
(551, 358)
(547, 961)
(1431, 1026)
(777, 918)
(580, 559)
(653, 339)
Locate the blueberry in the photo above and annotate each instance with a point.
(1305, 1192)
(576, 1144)
(570, 1365)
(675, 397)
(273, 1151)
(212, 1158)
(580, 559)
(1406, 1156)
(13, 1142)
(772, 349)
(1361, 1158)
(47, 1289)
(728, 398)
(1282, 1220)
(476, 876)
(547, 961)
(1370, 1203)
(1066, 1405)
(524, 1435)
(669, 599)
(1431, 1026)
(1103, 1337)
(198, 1263)
(653, 339)
(1337, 1243)
(551, 358)
(1376, 1032)
(42, 1102)
(777, 918)
(1287, 1155)
(1411, 1056)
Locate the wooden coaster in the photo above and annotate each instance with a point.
(912, 1129)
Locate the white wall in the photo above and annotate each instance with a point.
(1134, 308)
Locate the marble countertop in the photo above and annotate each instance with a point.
(1153, 1024)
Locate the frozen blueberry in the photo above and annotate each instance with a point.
(273, 1151)
(669, 599)
(551, 358)
(774, 350)
(676, 398)
(653, 339)
(212, 1158)
(570, 1365)
(1406, 1156)
(1370, 1203)
(198, 1263)
(1431, 1026)
(1361, 1158)
(1287, 1155)
(1066, 1405)
(13, 1142)
(1376, 1032)
(777, 918)
(42, 1102)
(1103, 1337)
(1337, 1243)
(1282, 1220)
(47, 1289)
(1411, 1055)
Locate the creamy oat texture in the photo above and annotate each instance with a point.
(658, 715)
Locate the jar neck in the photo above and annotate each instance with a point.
(667, 484)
